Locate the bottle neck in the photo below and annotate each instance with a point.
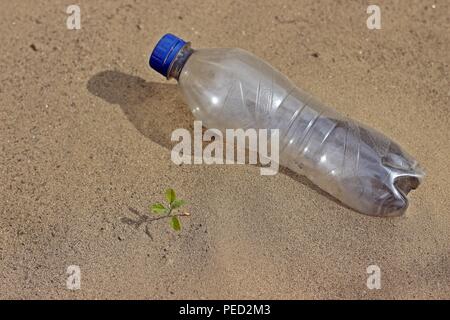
(179, 61)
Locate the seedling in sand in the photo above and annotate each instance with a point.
(172, 211)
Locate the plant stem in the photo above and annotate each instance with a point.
(169, 215)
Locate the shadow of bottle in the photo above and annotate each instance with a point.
(157, 109)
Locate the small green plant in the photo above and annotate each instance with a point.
(172, 211)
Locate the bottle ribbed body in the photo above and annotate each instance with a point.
(361, 167)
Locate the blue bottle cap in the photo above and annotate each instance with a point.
(164, 52)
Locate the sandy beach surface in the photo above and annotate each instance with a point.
(85, 146)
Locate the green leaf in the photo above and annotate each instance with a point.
(170, 195)
(175, 223)
(158, 208)
(177, 203)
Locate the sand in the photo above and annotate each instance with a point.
(85, 146)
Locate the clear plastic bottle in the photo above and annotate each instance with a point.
(231, 88)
